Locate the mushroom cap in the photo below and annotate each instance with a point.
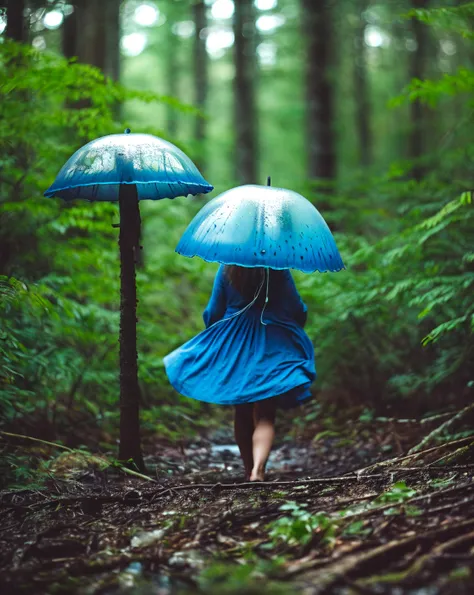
(262, 226)
(157, 167)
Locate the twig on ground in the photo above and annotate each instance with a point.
(454, 455)
(439, 430)
(71, 450)
(324, 579)
(36, 440)
(414, 455)
(260, 484)
(431, 495)
(420, 563)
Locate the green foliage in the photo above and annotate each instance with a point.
(398, 493)
(59, 283)
(456, 19)
(300, 526)
(248, 578)
(394, 329)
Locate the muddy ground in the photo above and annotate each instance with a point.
(352, 523)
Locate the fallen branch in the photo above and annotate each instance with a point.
(324, 579)
(412, 420)
(414, 455)
(420, 564)
(71, 450)
(454, 455)
(60, 446)
(289, 484)
(264, 484)
(411, 501)
(439, 430)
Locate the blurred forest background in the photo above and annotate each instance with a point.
(364, 106)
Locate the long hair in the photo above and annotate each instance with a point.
(247, 282)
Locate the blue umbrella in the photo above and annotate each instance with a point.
(126, 168)
(157, 168)
(261, 226)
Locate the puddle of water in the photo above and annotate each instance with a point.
(222, 448)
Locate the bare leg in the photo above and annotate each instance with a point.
(243, 430)
(263, 436)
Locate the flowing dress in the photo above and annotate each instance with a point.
(243, 357)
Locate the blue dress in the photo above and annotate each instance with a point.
(238, 359)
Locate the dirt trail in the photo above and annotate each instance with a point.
(402, 529)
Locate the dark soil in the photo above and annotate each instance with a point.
(399, 528)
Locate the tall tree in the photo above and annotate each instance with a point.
(201, 81)
(112, 39)
(15, 28)
(69, 36)
(172, 68)
(246, 158)
(361, 88)
(92, 33)
(418, 65)
(317, 28)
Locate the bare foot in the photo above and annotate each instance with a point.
(257, 475)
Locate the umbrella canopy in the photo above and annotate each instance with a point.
(261, 226)
(126, 168)
(157, 168)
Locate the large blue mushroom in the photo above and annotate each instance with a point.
(261, 226)
(127, 168)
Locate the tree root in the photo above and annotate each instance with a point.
(350, 566)
(415, 455)
(422, 562)
(439, 430)
(416, 499)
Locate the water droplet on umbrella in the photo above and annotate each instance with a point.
(262, 251)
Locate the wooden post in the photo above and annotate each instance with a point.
(129, 389)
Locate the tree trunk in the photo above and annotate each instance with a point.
(92, 33)
(112, 39)
(15, 28)
(200, 77)
(172, 76)
(129, 389)
(244, 92)
(417, 110)
(317, 27)
(361, 91)
(69, 37)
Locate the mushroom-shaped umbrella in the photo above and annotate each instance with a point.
(126, 168)
(260, 226)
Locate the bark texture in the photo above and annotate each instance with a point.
(361, 89)
(92, 33)
(246, 152)
(129, 389)
(201, 83)
(15, 28)
(321, 145)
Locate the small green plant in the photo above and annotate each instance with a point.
(250, 578)
(298, 528)
(356, 529)
(399, 492)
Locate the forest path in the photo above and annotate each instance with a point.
(394, 529)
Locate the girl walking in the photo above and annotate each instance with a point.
(253, 354)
